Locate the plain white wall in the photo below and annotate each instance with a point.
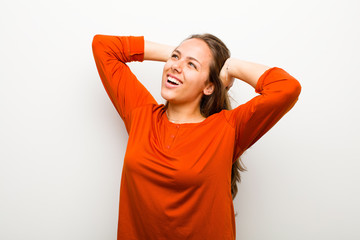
(62, 142)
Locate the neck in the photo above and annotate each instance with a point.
(182, 114)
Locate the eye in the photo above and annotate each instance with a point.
(192, 65)
(174, 56)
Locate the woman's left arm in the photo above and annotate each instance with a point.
(243, 70)
(278, 92)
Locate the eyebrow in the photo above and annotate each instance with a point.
(191, 58)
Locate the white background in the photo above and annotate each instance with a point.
(62, 142)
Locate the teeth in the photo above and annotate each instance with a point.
(173, 80)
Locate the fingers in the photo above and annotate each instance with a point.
(225, 77)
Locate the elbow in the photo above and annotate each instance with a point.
(284, 90)
(295, 87)
(96, 42)
(292, 92)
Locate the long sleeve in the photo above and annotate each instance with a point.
(279, 91)
(111, 53)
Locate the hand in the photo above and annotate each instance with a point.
(225, 76)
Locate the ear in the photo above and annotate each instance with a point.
(209, 89)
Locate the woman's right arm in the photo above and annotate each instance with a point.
(157, 52)
(111, 53)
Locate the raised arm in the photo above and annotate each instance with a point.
(157, 52)
(243, 70)
(278, 92)
(111, 53)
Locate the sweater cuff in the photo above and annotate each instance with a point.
(260, 84)
(136, 46)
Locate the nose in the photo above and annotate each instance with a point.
(177, 66)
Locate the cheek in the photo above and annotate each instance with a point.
(199, 80)
(165, 70)
(167, 65)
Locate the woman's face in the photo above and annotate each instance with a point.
(186, 73)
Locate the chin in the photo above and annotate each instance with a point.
(165, 95)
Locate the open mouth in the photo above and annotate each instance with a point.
(173, 81)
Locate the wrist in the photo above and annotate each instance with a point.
(229, 67)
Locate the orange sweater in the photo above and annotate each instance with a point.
(176, 179)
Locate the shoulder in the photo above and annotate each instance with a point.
(147, 111)
(229, 116)
(223, 117)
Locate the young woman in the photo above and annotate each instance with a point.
(182, 159)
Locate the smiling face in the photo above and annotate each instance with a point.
(186, 73)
